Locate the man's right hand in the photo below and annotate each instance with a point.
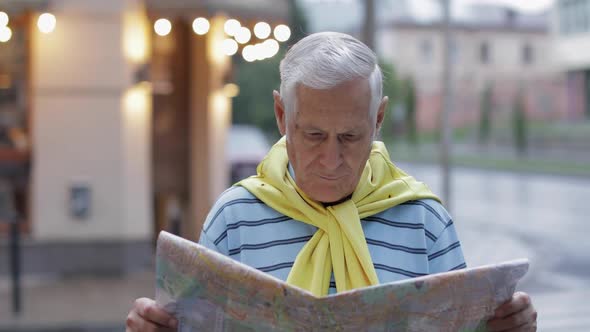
(146, 315)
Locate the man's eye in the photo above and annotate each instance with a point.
(350, 137)
(315, 135)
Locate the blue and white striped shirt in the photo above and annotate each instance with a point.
(409, 240)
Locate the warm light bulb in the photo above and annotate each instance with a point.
(201, 26)
(5, 34)
(46, 22)
(231, 27)
(262, 30)
(243, 35)
(231, 90)
(3, 19)
(230, 47)
(259, 51)
(282, 33)
(271, 47)
(137, 98)
(162, 27)
(248, 53)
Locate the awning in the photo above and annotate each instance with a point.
(13, 7)
(272, 10)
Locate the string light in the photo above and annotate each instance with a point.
(230, 47)
(162, 27)
(5, 34)
(282, 33)
(3, 19)
(243, 35)
(201, 26)
(231, 90)
(231, 27)
(248, 53)
(262, 30)
(46, 22)
(271, 47)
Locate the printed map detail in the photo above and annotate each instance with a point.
(210, 292)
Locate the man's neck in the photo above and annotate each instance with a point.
(344, 199)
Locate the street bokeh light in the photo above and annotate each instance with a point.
(262, 30)
(201, 25)
(162, 27)
(46, 22)
(282, 33)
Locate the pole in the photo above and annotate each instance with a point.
(369, 24)
(445, 121)
(15, 264)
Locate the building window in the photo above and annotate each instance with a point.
(454, 51)
(484, 53)
(574, 16)
(426, 50)
(527, 54)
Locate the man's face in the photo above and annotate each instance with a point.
(329, 137)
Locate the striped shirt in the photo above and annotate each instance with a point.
(412, 239)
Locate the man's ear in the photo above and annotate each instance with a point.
(381, 113)
(280, 113)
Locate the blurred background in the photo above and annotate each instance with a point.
(121, 118)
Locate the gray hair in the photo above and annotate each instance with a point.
(326, 59)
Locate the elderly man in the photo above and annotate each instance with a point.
(328, 211)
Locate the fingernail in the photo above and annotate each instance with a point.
(173, 322)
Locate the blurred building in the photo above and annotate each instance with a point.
(493, 46)
(571, 35)
(121, 119)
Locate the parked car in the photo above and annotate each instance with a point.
(246, 147)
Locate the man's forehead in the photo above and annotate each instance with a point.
(362, 85)
(309, 124)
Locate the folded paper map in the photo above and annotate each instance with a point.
(207, 291)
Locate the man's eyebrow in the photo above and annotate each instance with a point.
(307, 127)
(351, 131)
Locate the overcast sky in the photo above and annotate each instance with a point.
(429, 8)
(341, 15)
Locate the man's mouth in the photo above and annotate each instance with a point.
(331, 177)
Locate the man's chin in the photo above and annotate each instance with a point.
(329, 198)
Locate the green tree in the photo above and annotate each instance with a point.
(257, 80)
(392, 88)
(520, 124)
(485, 121)
(254, 103)
(298, 22)
(410, 106)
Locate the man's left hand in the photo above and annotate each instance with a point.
(518, 314)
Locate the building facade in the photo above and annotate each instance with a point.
(494, 47)
(570, 30)
(122, 123)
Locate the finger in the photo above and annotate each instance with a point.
(531, 327)
(516, 320)
(136, 323)
(518, 302)
(150, 311)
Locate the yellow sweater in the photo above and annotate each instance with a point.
(339, 244)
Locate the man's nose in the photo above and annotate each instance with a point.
(331, 156)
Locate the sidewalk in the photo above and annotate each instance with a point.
(78, 304)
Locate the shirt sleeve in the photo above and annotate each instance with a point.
(205, 241)
(446, 253)
(214, 233)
